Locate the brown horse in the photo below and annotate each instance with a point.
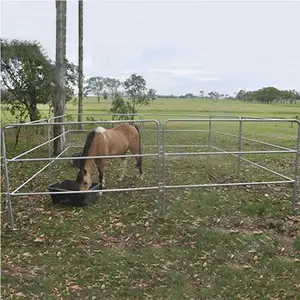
(101, 142)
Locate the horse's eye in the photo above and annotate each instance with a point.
(85, 183)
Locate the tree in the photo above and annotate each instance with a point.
(19, 113)
(111, 86)
(189, 95)
(217, 95)
(214, 95)
(28, 77)
(60, 63)
(138, 95)
(120, 106)
(27, 71)
(267, 94)
(5, 95)
(201, 94)
(289, 96)
(137, 92)
(240, 95)
(80, 61)
(94, 86)
(244, 95)
(25, 75)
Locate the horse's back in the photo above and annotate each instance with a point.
(121, 137)
(124, 128)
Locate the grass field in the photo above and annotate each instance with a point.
(190, 106)
(215, 243)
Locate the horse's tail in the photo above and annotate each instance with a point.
(139, 159)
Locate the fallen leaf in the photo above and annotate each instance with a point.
(247, 267)
(27, 254)
(20, 294)
(258, 232)
(75, 287)
(39, 240)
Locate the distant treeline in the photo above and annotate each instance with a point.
(211, 95)
(269, 95)
(263, 95)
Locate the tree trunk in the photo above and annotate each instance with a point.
(60, 97)
(80, 61)
(33, 112)
(32, 104)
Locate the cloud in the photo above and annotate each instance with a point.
(198, 75)
(205, 79)
(178, 72)
(178, 46)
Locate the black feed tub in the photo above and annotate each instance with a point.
(82, 199)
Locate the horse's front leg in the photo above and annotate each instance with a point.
(100, 166)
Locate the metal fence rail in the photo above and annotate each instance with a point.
(50, 160)
(250, 140)
(161, 154)
(237, 154)
(254, 163)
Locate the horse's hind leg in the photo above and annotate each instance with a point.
(124, 160)
(135, 150)
(100, 166)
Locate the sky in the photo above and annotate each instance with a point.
(179, 47)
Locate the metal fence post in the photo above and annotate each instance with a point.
(240, 140)
(209, 131)
(69, 141)
(49, 151)
(142, 124)
(162, 181)
(296, 182)
(8, 196)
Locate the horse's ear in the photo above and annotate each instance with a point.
(84, 171)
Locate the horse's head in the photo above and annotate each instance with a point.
(84, 180)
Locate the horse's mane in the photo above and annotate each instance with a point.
(86, 148)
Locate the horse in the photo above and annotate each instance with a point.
(102, 142)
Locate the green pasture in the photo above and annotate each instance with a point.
(183, 107)
(215, 243)
(200, 106)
